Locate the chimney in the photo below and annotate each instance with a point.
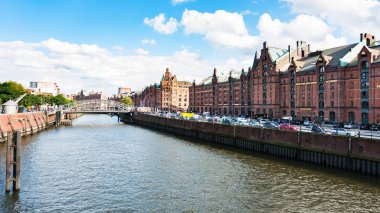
(289, 53)
(361, 37)
(264, 45)
(297, 48)
(308, 48)
(214, 71)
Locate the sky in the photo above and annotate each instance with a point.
(101, 45)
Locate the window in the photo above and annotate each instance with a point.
(321, 69)
(351, 116)
(320, 95)
(292, 104)
(332, 103)
(365, 118)
(321, 87)
(332, 116)
(365, 105)
(332, 95)
(321, 78)
(364, 65)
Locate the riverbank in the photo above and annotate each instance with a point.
(348, 153)
(27, 123)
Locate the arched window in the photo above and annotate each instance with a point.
(321, 69)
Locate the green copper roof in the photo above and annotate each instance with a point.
(276, 53)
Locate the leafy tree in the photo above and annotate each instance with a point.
(59, 100)
(127, 100)
(10, 90)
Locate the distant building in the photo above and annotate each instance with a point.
(169, 95)
(43, 88)
(124, 91)
(84, 95)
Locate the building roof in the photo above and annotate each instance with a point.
(223, 77)
(276, 53)
(333, 55)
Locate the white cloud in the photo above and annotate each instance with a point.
(141, 51)
(350, 17)
(307, 28)
(222, 28)
(148, 42)
(118, 48)
(82, 66)
(174, 2)
(161, 25)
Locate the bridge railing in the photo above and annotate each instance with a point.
(98, 105)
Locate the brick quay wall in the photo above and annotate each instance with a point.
(27, 123)
(353, 154)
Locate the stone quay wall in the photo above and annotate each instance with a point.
(348, 153)
(27, 123)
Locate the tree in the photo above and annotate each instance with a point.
(10, 90)
(127, 101)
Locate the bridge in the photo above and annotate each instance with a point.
(98, 106)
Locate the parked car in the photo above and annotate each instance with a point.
(262, 120)
(374, 127)
(317, 129)
(270, 125)
(306, 123)
(296, 122)
(288, 127)
(350, 126)
(364, 126)
(342, 131)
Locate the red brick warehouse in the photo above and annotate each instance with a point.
(338, 84)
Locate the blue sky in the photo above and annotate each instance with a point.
(103, 44)
(116, 22)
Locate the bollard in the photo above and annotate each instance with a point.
(13, 158)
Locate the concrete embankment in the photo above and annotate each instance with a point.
(353, 154)
(27, 123)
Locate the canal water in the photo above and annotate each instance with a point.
(100, 165)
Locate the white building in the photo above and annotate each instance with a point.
(43, 88)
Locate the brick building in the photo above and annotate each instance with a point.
(338, 84)
(169, 95)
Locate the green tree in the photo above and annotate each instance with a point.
(127, 100)
(10, 90)
(59, 100)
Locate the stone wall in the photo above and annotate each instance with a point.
(355, 154)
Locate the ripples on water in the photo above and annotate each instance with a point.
(100, 165)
